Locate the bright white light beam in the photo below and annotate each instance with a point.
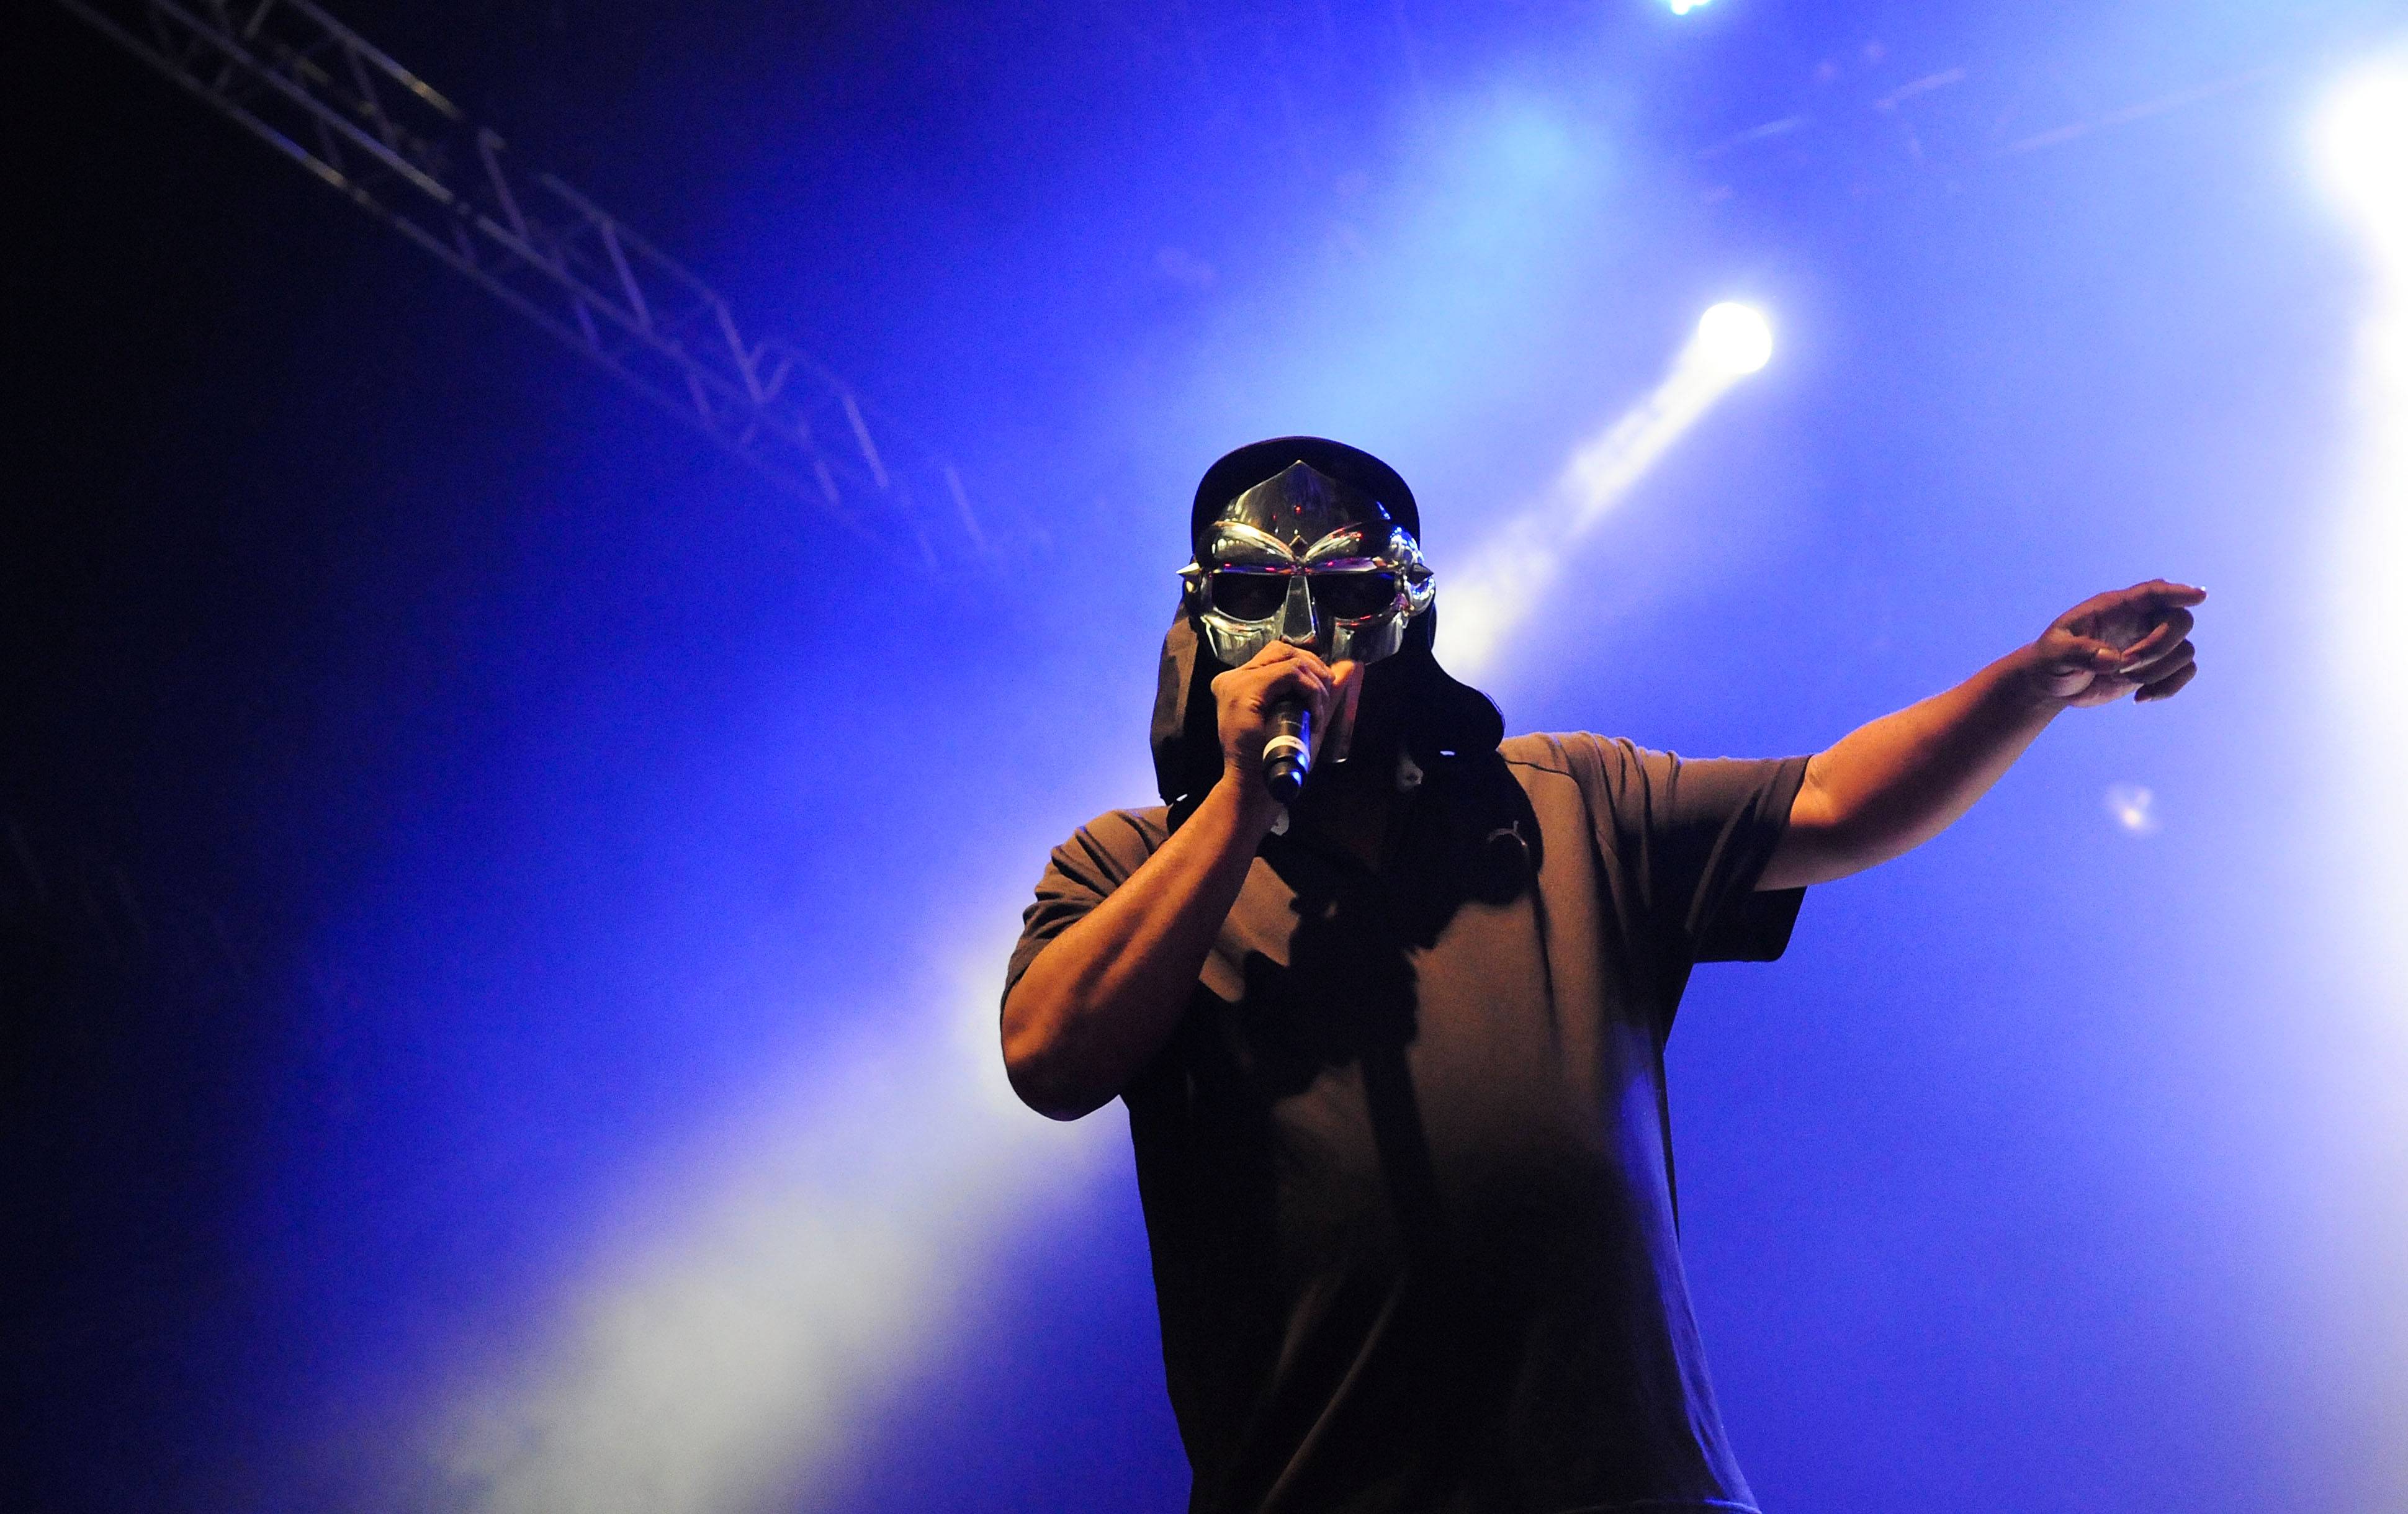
(2362, 140)
(735, 1342)
(1489, 596)
(2362, 147)
(2351, 1250)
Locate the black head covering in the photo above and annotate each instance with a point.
(1444, 722)
(1254, 461)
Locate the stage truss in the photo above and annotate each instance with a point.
(331, 101)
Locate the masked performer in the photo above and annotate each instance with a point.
(1394, 1054)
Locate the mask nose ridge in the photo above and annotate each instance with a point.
(1296, 620)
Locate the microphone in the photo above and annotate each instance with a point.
(1287, 754)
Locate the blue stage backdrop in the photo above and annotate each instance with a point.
(507, 910)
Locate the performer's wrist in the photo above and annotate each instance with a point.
(2025, 681)
(1240, 798)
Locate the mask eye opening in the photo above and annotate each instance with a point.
(1247, 594)
(1355, 595)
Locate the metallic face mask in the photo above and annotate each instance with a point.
(1305, 559)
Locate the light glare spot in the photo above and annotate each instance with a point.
(2133, 807)
(1682, 7)
(1735, 337)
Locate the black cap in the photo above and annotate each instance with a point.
(1252, 464)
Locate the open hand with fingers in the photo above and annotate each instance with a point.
(2134, 641)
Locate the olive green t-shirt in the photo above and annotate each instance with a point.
(1405, 1161)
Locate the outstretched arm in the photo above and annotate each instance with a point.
(1889, 787)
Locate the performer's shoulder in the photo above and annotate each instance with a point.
(1571, 753)
(1126, 836)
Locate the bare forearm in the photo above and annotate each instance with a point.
(1104, 995)
(1891, 785)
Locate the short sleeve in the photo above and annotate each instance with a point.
(1098, 858)
(1691, 837)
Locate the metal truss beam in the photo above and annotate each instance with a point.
(328, 99)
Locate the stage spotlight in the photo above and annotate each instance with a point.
(1682, 7)
(1497, 587)
(2364, 144)
(1735, 337)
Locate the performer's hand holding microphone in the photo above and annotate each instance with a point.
(1277, 712)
